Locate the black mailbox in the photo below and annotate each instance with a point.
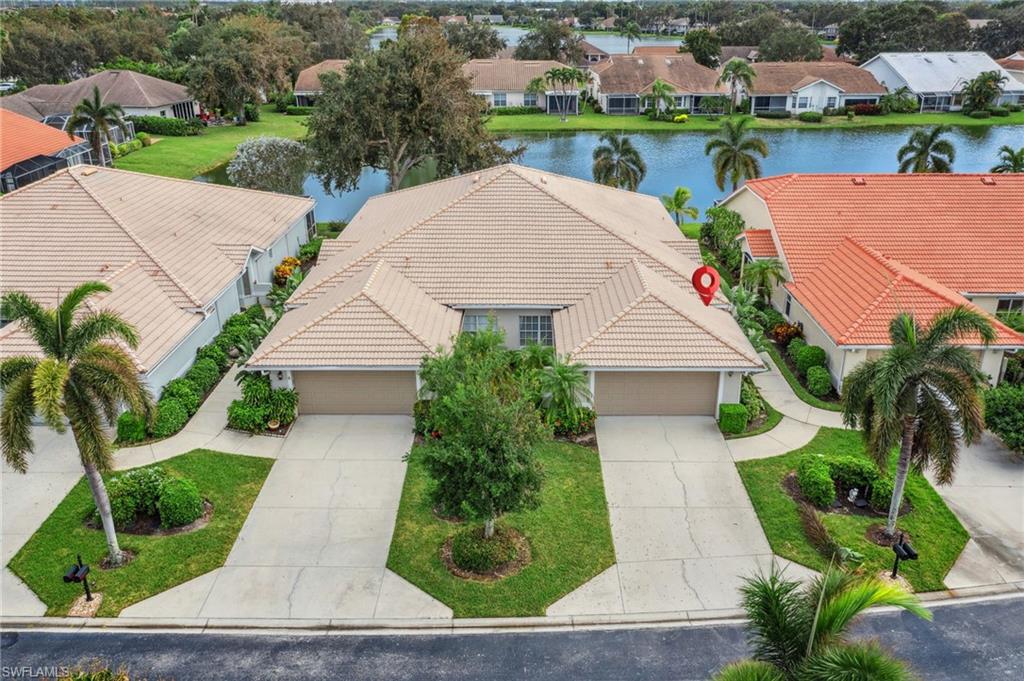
(77, 574)
(903, 551)
(900, 552)
(909, 550)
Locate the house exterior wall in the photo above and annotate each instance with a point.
(986, 303)
(751, 208)
(261, 265)
(180, 359)
(512, 98)
(186, 109)
(729, 388)
(508, 320)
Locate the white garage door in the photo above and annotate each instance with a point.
(639, 393)
(355, 392)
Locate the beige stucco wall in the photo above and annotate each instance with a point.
(729, 387)
(752, 208)
(986, 303)
(508, 321)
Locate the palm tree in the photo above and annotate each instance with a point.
(676, 203)
(761, 275)
(98, 117)
(735, 73)
(980, 93)
(83, 378)
(735, 150)
(631, 32)
(662, 93)
(564, 387)
(927, 152)
(799, 633)
(1010, 161)
(923, 395)
(617, 163)
(565, 78)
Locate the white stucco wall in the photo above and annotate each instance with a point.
(261, 265)
(165, 110)
(180, 359)
(729, 387)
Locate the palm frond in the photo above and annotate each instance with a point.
(778, 625)
(13, 367)
(98, 326)
(16, 413)
(16, 306)
(67, 307)
(48, 382)
(749, 670)
(94, 447)
(956, 323)
(854, 662)
(844, 603)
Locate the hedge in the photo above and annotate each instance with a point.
(980, 114)
(810, 117)
(794, 347)
(733, 418)
(179, 502)
(131, 427)
(299, 110)
(999, 111)
(815, 480)
(774, 114)
(185, 392)
(819, 383)
(810, 356)
(171, 417)
(167, 127)
(516, 110)
(1004, 414)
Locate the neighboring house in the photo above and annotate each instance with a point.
(660, 51)
(452, 19)
(488, 19)
(606, 24)
(859, 249)
(622, 84)
(747, 53)
(31, 151)
(592, 54)
(1014, 65)
(179, 256)
(830, 32)
(976, 24)
(136, 93)
(503, 82)
(600, 274)
(307, 85)
(811, 86)
(390, 21)
(937, 79)
(679, 26)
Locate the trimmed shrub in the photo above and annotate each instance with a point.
(852, 471)
(470, 551)
(773, 318)
(283, 405)
(283, 100)
(1014, 108)
(166, 127)
(134, 492)
(774, 114)
(866, 109)
(733, 418)
(794, 347)
(1004, 414)
(881, 494)
(184, 391)
(300, 110)
(784, 333)
(516, 110)
(810, 356)
(819, 383)
(810, 117)
(751, 398)
(815, 480)
(681, 118)
(247, 417)
(179, 502)
(215, 354)
(252, 112)
(170, 418)
(980, 114)
(131, 427)
(204, 373)
(999, 111)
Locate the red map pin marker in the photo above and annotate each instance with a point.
(706, 280)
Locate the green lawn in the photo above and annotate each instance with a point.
(570, 539)
(186, 157)
(691, 230)
(937, 534)
(772, 420)
(597, 122)
(229, 481)
(795, 384)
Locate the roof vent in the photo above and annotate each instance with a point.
(927, 59)
(988, 180)
(543, 179)
(89, 171)
(859, 181)
(476, 178)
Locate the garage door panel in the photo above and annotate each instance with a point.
(355, 392)
(639, 393)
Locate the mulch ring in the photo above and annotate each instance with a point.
(446, 517)
(514, 566)
(876, 535)
(842, 504)
(126, 558)
(587, 439)
(149, 525)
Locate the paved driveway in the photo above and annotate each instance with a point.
(316, 542)
(684, 530)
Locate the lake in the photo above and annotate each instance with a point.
(609, 42)
(675, 159)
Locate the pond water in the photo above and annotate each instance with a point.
(675, 159)
(609, 42)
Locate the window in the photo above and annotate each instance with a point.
(535, 329)
(530, 99)
(793, 104)
(500, 99)
(310, 225)
(830, 103)
(789, 299)
(474, 322)
(803, 102)
(680, 101)
(1010, 305)
(623, 104)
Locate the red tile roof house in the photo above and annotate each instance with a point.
(858, 249)
(180, 257)
(30, 150)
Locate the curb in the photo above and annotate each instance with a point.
(484, 625)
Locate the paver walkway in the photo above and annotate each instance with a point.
(684, 530)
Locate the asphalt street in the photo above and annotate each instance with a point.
(970, 641)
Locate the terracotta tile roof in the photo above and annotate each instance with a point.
(376, 318)
(590, 48)
(634, 74)
(745, 52)
(785, 77)
(638, 318)
(856, 292)
(760, 243)
(958, 229)
(1012, 62)
(309, 77)
(508, 235)
(660, 51)
(127, 88)
(505, 74)
(22, 138)
(187, 235)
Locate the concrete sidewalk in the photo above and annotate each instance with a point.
(776, 391)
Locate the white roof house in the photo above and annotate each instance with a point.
(937, 78)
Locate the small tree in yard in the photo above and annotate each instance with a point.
(922, 396)
(83, 379)
(273, 164)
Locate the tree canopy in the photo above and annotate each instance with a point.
(704, 45)
(790, 43)
(476, 41)
(902, 27)
(550, 40)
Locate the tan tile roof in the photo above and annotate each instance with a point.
(688, 247)
(956, 228)
(634, 74)
(509, 235)
(590, 48)
(760, 243)
(505, 74)
(309, 77)
(638, 318)
(24, 138)
(660, 50)
(856, 292)
(127, 88)
(187, 235)
(784, 77)
(376, 318)
(744, 52)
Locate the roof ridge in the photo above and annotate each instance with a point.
(372, 297)
(138, 84)
(211, 185)
(138, 242)
(599, 331)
